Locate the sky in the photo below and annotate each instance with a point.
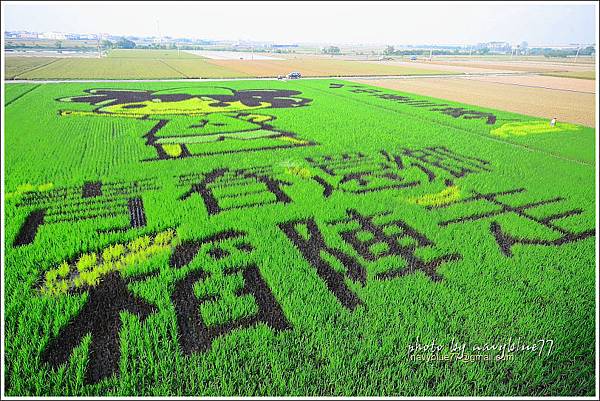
(305, 22)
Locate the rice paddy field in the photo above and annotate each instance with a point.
(308, 237)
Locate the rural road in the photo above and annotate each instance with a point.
(366, 77)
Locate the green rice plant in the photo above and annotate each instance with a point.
(302, 264)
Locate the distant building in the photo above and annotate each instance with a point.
(495, 47)
(26, 35)
(283, 46)
(53, 36)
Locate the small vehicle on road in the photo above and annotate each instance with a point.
(294, 75)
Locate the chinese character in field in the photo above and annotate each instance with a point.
(210, 303)
(99, 317)
(359, 173)
(452, 164)
(105, 202)
(225, 189)
(467, 114)
(362, 173)
(455, 112)
(497, 204)
(373, 238)
(199, 121)
(105, 277)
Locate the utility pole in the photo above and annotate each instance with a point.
(576, 55)
(159, 37)
(430, 53)
(98, 43)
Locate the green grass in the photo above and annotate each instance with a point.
(538, 290)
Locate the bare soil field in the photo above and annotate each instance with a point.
(435, 66)
(225, 55)
(575, 107)
(545, 82)
(542, 59)
(524, 66)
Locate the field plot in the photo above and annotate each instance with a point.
(289, 238)
(523, 65)
(15, 66)
(320, 67)
(575, 74)
(157, 64)
(151, 54)
(224, 55)
(119, 64)
(544, 97)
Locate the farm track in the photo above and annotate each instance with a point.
(366, 77)
(486, 137)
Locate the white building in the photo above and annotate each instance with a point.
(53, 35)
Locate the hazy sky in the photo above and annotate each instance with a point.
(356, 22)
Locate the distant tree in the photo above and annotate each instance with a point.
(588, 51)
(389, 50)
(485, 50)
(58, 44)
(124, 43)
(107, 44)
(331, 50)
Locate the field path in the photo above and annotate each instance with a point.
(365, 77)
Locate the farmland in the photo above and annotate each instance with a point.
(19, 65)
(319, 67)
(169, 64)
(289, 238)
(575, 74)
(136, 65)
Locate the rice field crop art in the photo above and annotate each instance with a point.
(308, 237)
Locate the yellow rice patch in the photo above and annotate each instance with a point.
(173, 150)
(532, 127)
(448, 195)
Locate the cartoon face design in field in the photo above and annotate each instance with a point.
(199, 121)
